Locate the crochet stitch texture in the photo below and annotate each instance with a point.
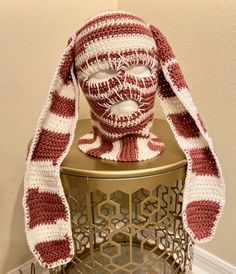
(117, 40)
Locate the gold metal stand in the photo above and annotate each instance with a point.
(126, 217)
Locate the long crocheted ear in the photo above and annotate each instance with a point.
(204, 192)
(47, 215)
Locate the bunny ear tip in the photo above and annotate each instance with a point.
(200, 219)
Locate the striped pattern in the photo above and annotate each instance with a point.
(47, 216)
(204, 194)
(45, 149)
(62, 106)
(116, 40)
(129, 148)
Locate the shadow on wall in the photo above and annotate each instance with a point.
(18, 246)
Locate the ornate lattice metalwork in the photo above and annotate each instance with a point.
(136, 232)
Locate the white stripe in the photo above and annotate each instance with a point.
(43, 233)
(189, 143)
(67, 91)
(86, 147)
(56, 123)
(107, 23)
(42, 175)
(173, 105)
(109, 44)
(185, 95)
(144, 152)
(112, 155)
(203, 187)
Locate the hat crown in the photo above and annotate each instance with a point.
(113, 31)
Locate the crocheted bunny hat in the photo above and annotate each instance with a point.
(117, 36)
(122, 102)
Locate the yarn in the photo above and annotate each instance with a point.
(116, 40)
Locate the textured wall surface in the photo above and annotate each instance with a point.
(33, 37)
(203, 36)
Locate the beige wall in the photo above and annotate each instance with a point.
(33, 37)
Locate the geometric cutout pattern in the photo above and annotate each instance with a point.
(129, 232)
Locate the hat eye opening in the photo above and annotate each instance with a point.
(102, 75)
(137, 70)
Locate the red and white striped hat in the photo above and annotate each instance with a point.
(115, 38)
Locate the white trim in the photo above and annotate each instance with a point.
(197, 270)
(207, 263)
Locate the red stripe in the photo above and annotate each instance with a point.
(156, 146)
(129, 149)
(44, 208)
(113, 55)
(176, 76)
(106, 146)
(52, 251)
(62, 106)
(165, 89)
(201, 216)
(106, 32)
(50, 145)
(104, 18)
(185, 125)
(203, 162)
(165, 52)
(147, 82)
